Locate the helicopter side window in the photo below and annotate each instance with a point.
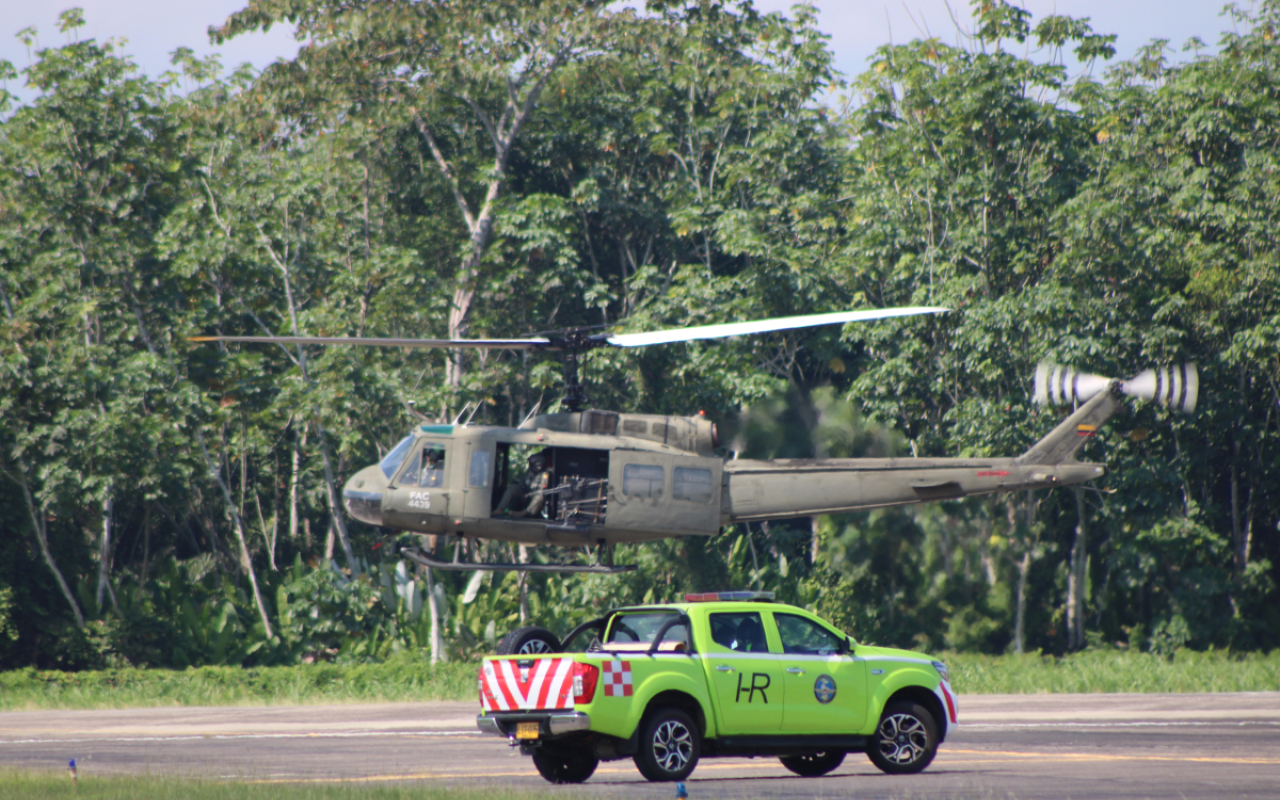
(481, 468)
(395, 458)
(691, 483)
(642, 480)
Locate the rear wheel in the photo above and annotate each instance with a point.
(532, 641)
(906, 739)
(811, 765)
(565, 766)
(669, 746)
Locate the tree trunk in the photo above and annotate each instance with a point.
(1020, 612)
(295, 484)
(522, 585)
(335, 505)
(1023, 531)
(435, 616)
(42, 538)
(104, 554)
(1076, 577)
(239, 528)
(503, 134)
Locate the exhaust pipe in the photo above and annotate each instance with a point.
(1176, 387)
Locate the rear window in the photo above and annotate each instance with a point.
(642, 627)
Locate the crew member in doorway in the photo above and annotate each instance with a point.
(528, 500)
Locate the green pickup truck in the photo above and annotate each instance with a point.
(722, 674)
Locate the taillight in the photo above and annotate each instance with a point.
(480, 684)
(585, 678)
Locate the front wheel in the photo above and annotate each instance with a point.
(565, 767)
(669, 746)
(811, 765)
(906, 739)
(531, 641)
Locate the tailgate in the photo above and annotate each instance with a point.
(526, 684)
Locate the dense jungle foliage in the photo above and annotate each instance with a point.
(495, 169)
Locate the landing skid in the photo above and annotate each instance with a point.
(419, 557)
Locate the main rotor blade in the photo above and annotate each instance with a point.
(459, 344)
(763, 326)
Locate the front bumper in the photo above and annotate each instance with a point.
(550, 723)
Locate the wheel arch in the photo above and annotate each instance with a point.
(675, 698)
(926, 698)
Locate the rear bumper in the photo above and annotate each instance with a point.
(550, 723)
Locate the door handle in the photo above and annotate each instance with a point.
(795, 671)
(724, 668)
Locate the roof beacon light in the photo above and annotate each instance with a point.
(713, 597)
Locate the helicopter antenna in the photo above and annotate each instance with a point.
(533, 411)
(458, 419)
(472, 414)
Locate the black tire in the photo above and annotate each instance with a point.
(906, 739)
(531, 641)
(565, 766)
(670, 744)
(811, 765)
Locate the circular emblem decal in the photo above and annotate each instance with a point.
(824, 688)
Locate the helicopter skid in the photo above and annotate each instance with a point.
(419, 557)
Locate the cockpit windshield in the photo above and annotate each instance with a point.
(393, 460)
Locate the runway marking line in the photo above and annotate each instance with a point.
(1014, 754)
(528, 773)
(1009, 755)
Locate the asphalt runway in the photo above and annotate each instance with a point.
(1008, 746)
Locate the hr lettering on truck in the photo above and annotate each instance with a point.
(759, 682)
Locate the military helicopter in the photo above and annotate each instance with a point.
(597, 478)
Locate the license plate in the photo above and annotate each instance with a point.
(526, 730)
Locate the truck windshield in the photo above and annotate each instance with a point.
(642, 627)
(392, 462)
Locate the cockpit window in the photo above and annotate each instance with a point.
(393, 460)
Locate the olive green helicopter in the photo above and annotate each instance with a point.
(587, 479)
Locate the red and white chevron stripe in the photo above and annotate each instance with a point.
(547, 684)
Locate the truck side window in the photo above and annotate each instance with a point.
(691, 483)
(642, 480)
(804, 636)
(742, 631)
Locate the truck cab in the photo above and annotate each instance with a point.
(722, 674)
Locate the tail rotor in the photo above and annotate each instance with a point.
(1176, 387)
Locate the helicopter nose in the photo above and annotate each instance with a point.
(363, 495)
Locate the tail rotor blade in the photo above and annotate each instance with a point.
(1057, 385)
(1176, 387)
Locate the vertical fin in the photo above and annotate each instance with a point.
(1064, 441)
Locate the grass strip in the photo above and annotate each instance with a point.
(1099, 671)
(34, 785)
(408, 677)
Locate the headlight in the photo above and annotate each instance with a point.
(943, 672)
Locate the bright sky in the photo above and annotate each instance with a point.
(155, 27)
